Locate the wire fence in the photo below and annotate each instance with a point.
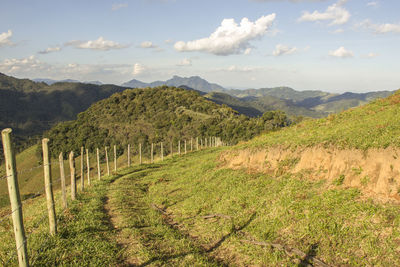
(97, 162)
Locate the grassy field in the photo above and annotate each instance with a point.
(375, 125)
(187, 211)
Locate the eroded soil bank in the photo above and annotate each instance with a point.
(375, 171)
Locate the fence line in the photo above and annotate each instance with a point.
(49, 183)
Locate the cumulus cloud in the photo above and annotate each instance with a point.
(138, 69)
(281, 50)
(115, 7)
(28, 64)
(5, 38)
(148, 44)
(185, 62)
(50, 50)
(230, 37)
(99, 44)
(335, 13)
(380, 28)
(33, 67)
(341, 52)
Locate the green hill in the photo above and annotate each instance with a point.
(152, 115)
(308, 103)
(375, 125)
(218, 207)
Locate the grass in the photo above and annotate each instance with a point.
(84, 238)
(375, 125)
(334, 224)
(154, 214)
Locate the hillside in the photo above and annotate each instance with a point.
(319, 101)
(152, 115)
(30, 107)
(255, 106)
(323, 192)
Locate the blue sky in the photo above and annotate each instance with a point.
(336, 46)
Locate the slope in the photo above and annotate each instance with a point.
(154, 115)
(357, 148)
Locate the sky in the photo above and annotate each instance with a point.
(329, 45)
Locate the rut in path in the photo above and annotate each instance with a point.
(146, 238)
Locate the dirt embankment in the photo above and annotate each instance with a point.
(375, 171)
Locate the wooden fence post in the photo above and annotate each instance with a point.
(201, 145)
(88, 166)
(205, 142)
(72, 171)
(179, 147)
(48, 187)
(185, 147)
(129, 155)
(62, 176)
(197, 143)
(98, 163)
(82, 170)
(15, 199)
(115, 158)
(191, 144)
(162, 152)
(140, 154)
(172, 149)
(152, 153)
(107, 163)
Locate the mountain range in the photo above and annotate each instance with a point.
(254, 102)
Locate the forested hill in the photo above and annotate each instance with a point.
(152, 115)
(31, 107)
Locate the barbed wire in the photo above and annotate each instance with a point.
(31, 169)
(36, 225)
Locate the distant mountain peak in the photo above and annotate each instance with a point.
(194, 82)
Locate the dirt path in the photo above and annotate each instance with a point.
(145, 236)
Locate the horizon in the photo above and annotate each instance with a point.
(332, 46)
(226, 88)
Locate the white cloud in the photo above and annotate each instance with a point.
(281, 50)
(99, 44)
(247, 51)
(336, 13)
(138, 69)
(32, 67)
(229, 38)
(148, 44)
(115, 7)
(185, 62)
(169, 41)
(373, 4)
(380, 28)
(50, 50)
(341, 52)
(28, 64)
(5, 38)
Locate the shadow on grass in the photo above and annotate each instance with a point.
(233, 230)
(310, 254)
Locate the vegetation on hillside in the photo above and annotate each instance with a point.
(153, 115)
(376, 124)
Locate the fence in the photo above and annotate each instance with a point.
(16, 204)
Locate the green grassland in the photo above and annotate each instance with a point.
(375, 125)
(189, 211)
(156, 214)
